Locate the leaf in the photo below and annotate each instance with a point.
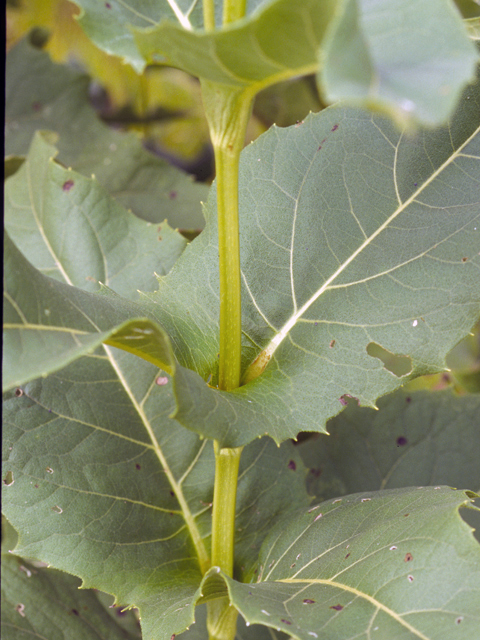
(48, 324)
(416, 438)
(76, 233)
(358, 241)
(120, 494)
(400, 562)
(278, 41)
(383, 55)
(44, 603)
(44, 95)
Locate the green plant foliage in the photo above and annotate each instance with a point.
(98, 241)
(383, 57)
(121, 494)
(400, 562)
(44, 95)
(361, 58)
(415, 439)
(372, 202)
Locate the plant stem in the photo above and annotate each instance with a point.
(209, 15)
(222, 617)
(233, 10)
(228, 111)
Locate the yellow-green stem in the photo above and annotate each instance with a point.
(233, 10)
(222, 617)
(209, 15)
(228, 110)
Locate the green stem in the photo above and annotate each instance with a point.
(222, 617)
(228, 111)
(233, 10)
(209, 15)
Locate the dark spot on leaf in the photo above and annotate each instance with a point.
(286, 621)
(18, 392)
(408, 399)
(405, 515)
(293, 565)
(172, 494)
(68, 185)
(408, 557)
(347, 556)
(415, 184)
(308, 601)
(316, 473)
(446, 377)
(464, 259)
(160, 238)
(401, 441)
(335, 127)
(108, 5)
(75, 612)
(410, 578)
(332, 344)
(291, 465)
(137, 466)
(459, 619)
(337, 607)
(35, 486)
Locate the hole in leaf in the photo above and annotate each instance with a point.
(8, 480)
(398, 365)
(18, 392)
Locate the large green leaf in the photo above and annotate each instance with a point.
(409, 58)
(45, 603)
(120, 494)
(357, 240)
(376, 53)
(388, 564)
(75, 232)
(415, 438)
(48, 324)
(44, 95)
(277, 42)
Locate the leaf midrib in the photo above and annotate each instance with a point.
(292, 321)
(359, 594)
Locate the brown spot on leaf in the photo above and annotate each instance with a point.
(337, 607)
(67, 185)
(75, 612)
(138, 467)
(286, 621)
(332, 344)
(408, 557)
(308, 601)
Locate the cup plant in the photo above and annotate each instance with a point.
(154, 390)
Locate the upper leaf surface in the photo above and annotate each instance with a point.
(48, 96)
(415, 438)
(354, 236)
(397, 564)
(411, 59)
(44, 603)
(122, 494)
(75, 232)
